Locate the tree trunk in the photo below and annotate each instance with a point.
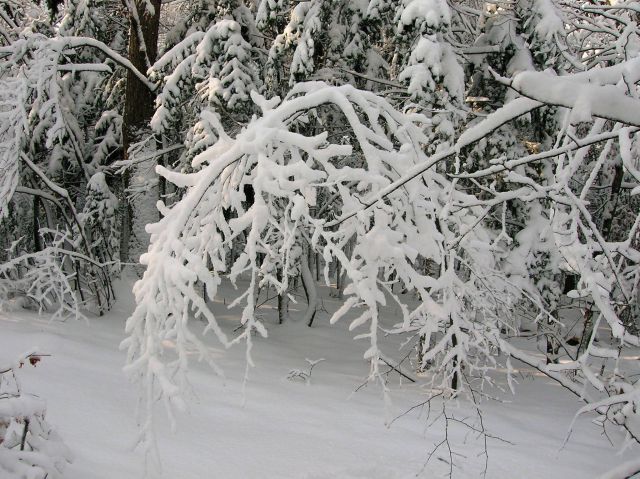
(587, 332)
(420, 354)
(309, 286)
(551, 347)
(282, 299)
(139, 100)
(454, 378)
(37, 241)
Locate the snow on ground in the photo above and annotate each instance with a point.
(278, 428)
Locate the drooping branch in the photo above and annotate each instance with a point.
(79, 42)
(509, 112)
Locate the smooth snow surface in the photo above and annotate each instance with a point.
(280, 428)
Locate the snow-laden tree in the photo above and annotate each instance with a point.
(396, 220)
(428, 65)
(43, 150)
(56, 135)
(464, 306)
(295, 52)
(544, 30)
(99, 217)
(333, 41)
(207, 69)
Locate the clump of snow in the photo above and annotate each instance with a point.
(434, 13)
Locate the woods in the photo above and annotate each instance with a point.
(474, 164)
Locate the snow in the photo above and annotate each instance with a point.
(434, 12)
(606, 101)
(278, 428)
(430, 60)
(549, 23)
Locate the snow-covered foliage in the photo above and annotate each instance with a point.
(211, 68)
(30, 448)
(544, 30)
(288, 172)
(50, 151)
(12, 130)
(47, 279)
(474, 163)
(100, 221)
(428, 65)
(466, 306)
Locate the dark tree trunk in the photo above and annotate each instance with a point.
(139, 100)
(282, 299)
(309, 286)
(454, 378)
(37, 241)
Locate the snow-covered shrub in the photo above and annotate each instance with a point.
(304, 375)
(30, 448)
(99, 217)
(47, 279)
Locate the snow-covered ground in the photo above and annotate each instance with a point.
(272, 427)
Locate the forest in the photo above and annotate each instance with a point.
(395, 226)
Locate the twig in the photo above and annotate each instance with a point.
(397, 370)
